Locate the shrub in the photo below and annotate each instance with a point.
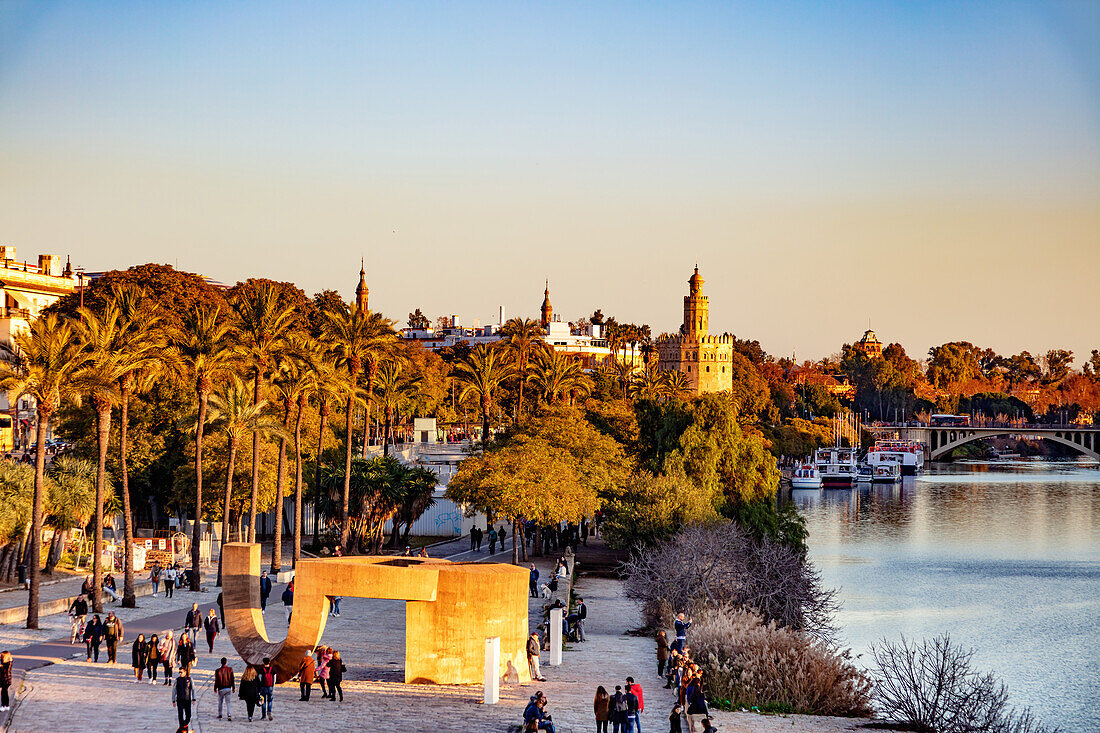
(931, 686)
(750, 662)
(721, 566)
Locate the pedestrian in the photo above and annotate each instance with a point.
(492, 540)
(152, 659)
(662, 652)
(601, 707)
(167, 655)
(250, 690)
(193, 622)
(6, 664)
(324, 657)
(336, 671)
(265, 590)
(334, 606)
(582, 614)
(212, 628)
(221, 608)
(267, 689)
(619, 709)
(307, 672)
(681, 626)
(534, 649)
(154, 578)
(473, 539)
(534, 581)
(224, 685)
(423, 552)
(109, 587)
(288, 600)
(86, 588)
(636, 690)
(78, 611)
(501, 535)
(93, 637)
(183, 694)
(696, 702)
(480, 537)
(139, 656)
(185, 653)
(674, 725)
(112, 636)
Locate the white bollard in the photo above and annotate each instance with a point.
(555, 636)
(492, 670)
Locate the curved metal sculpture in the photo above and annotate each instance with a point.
(450, 609)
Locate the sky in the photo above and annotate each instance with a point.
(931, 169)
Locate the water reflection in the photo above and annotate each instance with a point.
(1005, 556)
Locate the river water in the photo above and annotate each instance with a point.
(1004, 556)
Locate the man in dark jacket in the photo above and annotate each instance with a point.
(534, 649)
(288, 600)
(183, 694)
(265, 590)
(267, 689)
(193, 622)
(535, 715)
(78, 610)
(582, 614)
(534, 581)
(224, 685)
(112, 635)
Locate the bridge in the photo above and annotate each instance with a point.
(940, 441)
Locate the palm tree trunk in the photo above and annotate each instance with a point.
(323, 410)
(196, 533)
(54, 555)
(298, 481)
(345, 519)
(103, 430)
(129, 598)
(228, 498)
(485, 422)
(256, 397)
(372, 372)
(388, 431)
(36, 515)
(277, 545)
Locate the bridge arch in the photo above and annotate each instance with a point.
(942, 442)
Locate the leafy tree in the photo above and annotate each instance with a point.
(396, 389)
(416, 497)
(749, 393)
(419, 321)
(1057, 363)
(648, 509)
(481, 373)
(953, 362)
(1021, 369)
(72, 501)
(1092, 367)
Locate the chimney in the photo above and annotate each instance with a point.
(501, 317)
(454, 321)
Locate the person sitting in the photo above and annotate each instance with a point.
(535, 717)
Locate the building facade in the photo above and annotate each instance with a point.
(704, 359)
(869, 345)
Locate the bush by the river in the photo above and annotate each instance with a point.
(931, 686)
(748, 662)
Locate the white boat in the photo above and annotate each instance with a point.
(910, 453)
(865, 473)
(806, 477)
(886, 472)
(837, 466)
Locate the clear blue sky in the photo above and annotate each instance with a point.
(922, 165)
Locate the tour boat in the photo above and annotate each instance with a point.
(865, 472)
(806, 477)
(910, 453)
(837, 466)
(887, 472)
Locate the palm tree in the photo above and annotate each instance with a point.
(291, 386)
(264, 323)
(355, 336)
(100, 336)
(326, 385)
(44, 363)
(481, 372)
(523, 336)
(72, 501)
(233, 411)
(676, 384)
(143, 358)
(624, 373)
(396, 389)
(555, 375)
(203, 346)
(648, 384)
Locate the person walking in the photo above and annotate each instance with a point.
(152, 658)
(221, 608)
(169, 580)
(224, 685)
(334, 606)
(619, 709)
(6, 664)
(473, 539)
(212, 628)
(534, 581)
(154, 578)
(501, 535)
(288, 600)
(662, 652)
(534, 649)
(480, 537)
(492, 540)
(112, 636)
(601, 707)
(185, 653)
(78, 612)
(167, 655)
(336, 671)
(265, 590)
(139, 656)
(636, 690)
(183, 694)
(193, 622)
(93, 637)
(250, 690)
(324, 658)
(307, 672)
(582, 614)
(267, 689)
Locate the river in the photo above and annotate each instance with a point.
(1004, 556)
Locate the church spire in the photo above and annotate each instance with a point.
(361, 290)
(547, 309)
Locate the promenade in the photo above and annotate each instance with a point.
(370, 634)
